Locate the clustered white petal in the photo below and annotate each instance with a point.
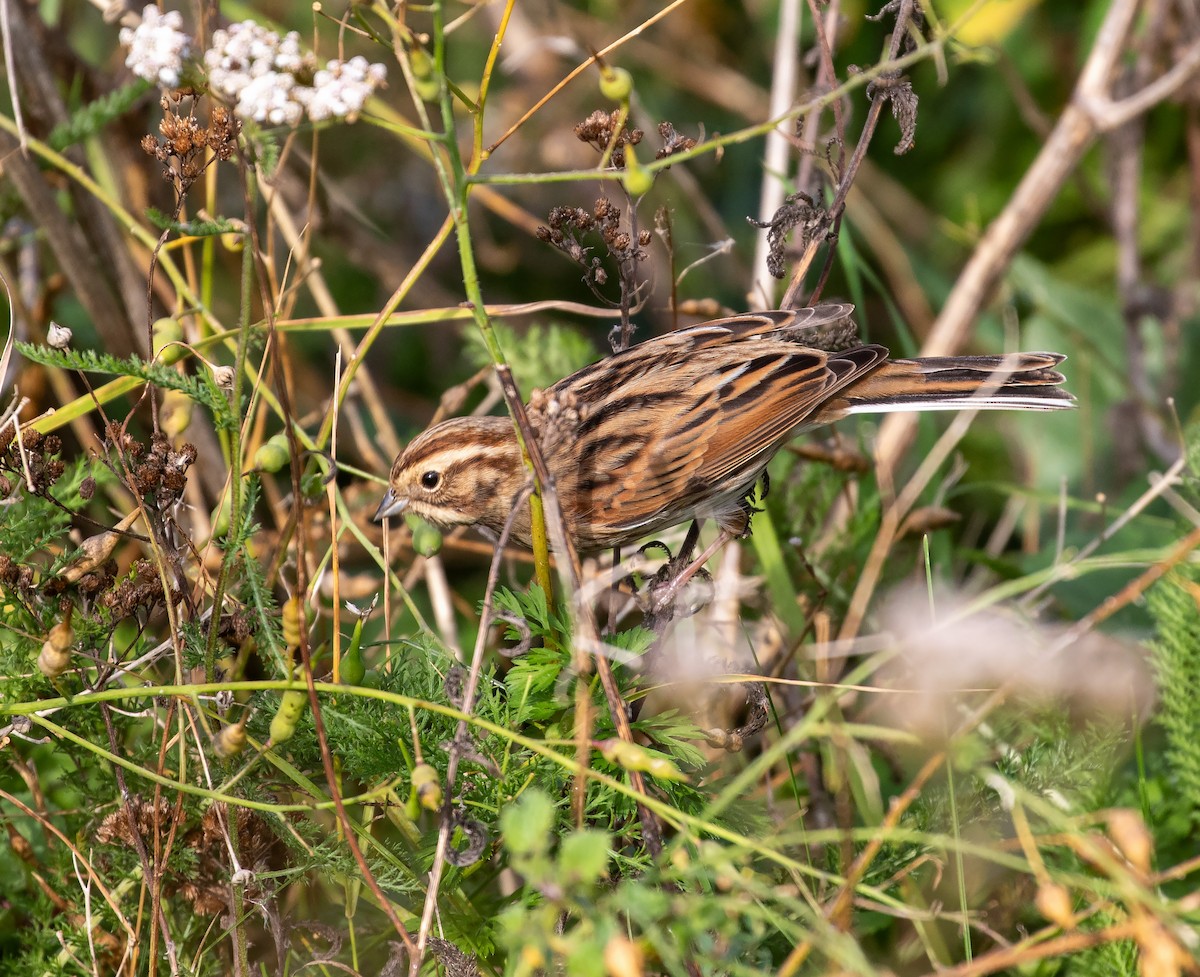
(340, 89)
(157, 46)
(265, 76)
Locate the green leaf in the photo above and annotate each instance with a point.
(586, 958)
(584, 856)
(532, 682)
(200, 388)
(530, 606)
(675, 734)
(636, 640)
(527, 824)
(90, 119)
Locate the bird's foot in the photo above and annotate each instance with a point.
(668, 584)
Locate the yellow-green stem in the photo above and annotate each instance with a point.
(235, 437)
(456, 186)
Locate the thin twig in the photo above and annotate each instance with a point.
(1030, 950)
(14, 89)
(783, 93)
(791, 296)
(579, 69)
(1131, 591)
(585, 623)
(1158, 486)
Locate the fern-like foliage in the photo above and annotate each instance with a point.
(1175, 606)
(31, 525)
(539, 356)
(199, 388)
(1116, 959)
(196, 228)
(94, 116)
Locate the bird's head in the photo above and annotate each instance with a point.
(462, 472)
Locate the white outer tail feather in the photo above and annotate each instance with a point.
(964, 403)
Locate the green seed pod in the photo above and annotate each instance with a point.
(426, 537)
(221, 515)
(616, 84)
(272, 454)
(427, 786)
(623, 754)
(636, 179)
(661, 768)
(353, 669)
(427, 85)
(291, 708)
(420, 62)
(632, 756)
(229, 741)
(293, 618)
(167, 331)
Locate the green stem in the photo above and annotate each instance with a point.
(235, 436)
(456, 186)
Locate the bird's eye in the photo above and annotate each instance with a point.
(430, 480)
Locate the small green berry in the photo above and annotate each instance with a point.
(636, 179)
(168, 333)
(616, 84)
(426, 538)
(272, 454)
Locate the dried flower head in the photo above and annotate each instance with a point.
(798, 210)
(59, 337)
(598, 128)
(223, 376)
(673, 142)
(182, 148)
(31, 460)
(567, 224)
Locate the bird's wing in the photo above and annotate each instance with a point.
(764, 399)
(696, 409)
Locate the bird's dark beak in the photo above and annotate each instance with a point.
(392, 505)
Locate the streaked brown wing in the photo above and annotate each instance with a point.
(821, 328)
(775, 394)
(697, 408)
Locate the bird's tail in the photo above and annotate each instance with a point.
(1017, 381)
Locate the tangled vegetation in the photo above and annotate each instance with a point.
(937, 714)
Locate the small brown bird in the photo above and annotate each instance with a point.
(682, 426)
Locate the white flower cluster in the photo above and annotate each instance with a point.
(264, 75)
(340, 89)
(157, 46)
